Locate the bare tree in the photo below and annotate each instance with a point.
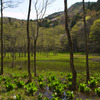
(40, 8)
(28, 39)
(74, 74)
(86, 43)
(1, 37)
(5, 4)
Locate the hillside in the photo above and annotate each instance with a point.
(58, 17)
(52, 33)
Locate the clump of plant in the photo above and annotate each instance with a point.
(92, 83)
(69, 77)
(18, 97)
(59, 89)
(69, 85)
(20, 83)
(87, 89)
(7, 79)
(9, 86)
(45, 98)
(1, 78)
(24, 76)
(51, 78)
(84, 88)
(41, 84)
(55, 98)
(53, 84)
(69, 95)
(40, 96)
(40, 78)
(31, 88)
(97, 91)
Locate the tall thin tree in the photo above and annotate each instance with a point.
(86, 43)
(74, 74)
(1, 37)
(40, 8)
(28, 39)
(6, 4)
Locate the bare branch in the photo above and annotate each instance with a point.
(11, 4)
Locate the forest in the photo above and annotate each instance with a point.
(56, 57)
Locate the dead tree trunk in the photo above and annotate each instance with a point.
(74, 74)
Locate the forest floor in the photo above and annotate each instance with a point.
(53, 79)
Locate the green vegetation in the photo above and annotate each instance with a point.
(54, 78)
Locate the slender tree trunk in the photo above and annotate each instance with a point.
(1, 37)
(28, 38)
(35, 41)
(86, 44)
(35, 58)
(74, 74)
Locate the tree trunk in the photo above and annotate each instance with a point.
(35, 58)
(86, 44)
(74, 74)
(28, 38)
(1, 37)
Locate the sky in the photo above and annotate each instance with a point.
(21, 11)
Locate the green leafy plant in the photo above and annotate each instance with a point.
(7, 79)
(20, 84)
(59, 89)
(69, 77)
(54, 83)
(97, 91)
(40, 96)
(40, 78)
(82, 87)
(45, 98)
(55, 98)
(18, 97)
(9, 86)
(69, 85)
(51, 78)
(92, 83)
(69, 95)
(87, 89)
(41, 84)
(1, 78)
(24, 76)
(31, 88)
